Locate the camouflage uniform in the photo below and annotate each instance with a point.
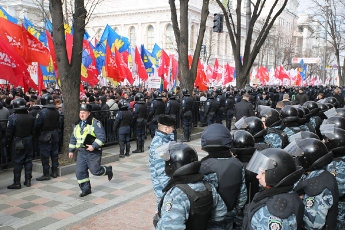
(337, 168)
(157, 164)
(316, 207)
(176, 206)
(273, 140)
(263, 219)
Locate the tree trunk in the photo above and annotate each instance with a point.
(69, 73)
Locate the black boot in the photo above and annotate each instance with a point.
(54, 173)
(127, 154)
(138, 148)
(122, 155)
(82, 194)
(16, 184)
(109, 172)
(27, 182)
(45, 176)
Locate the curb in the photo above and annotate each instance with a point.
(69, 169)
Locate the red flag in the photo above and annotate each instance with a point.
(164, 64)
(200, 80)
(12, 65)
(69, 46)
(209, 73)
(123, 68)
(140, 65)
(12, 33)
(92, 71)
(190, 61)
(34, 50)
(216, 75)
(111, 66)
(229, 73)
(263, 75)
(40, 79)
(174, 71)
(298, 79)
(280, 73)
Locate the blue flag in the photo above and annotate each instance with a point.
(302, 68)
(157, 51)
(146, 60)
(5, 15)
(48, 25)
(114, 40)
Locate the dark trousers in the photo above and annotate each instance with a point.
(124, 141)
(49, 150)
(87, 160)
(187, 124)
(140, 134)
(3, 147)
(22, 157)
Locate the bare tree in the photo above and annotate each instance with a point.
(181, 36)
(233, 22)
(69, 73)
(333, 13)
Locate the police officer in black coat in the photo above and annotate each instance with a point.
(229, 109)
(122, 123)
(19, 132)
(186, 114)
(46, 127)
(221, 103)
(173, 109)
(244, 108)
(210, 108)
(139, 121)
(157, 108)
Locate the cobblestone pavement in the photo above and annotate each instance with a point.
(126, 202)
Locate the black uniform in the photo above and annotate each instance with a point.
(186, 116)
(139, 121)
(19, 130)
(157, 108)
(122, 123)
(229, 110)
(173, 109)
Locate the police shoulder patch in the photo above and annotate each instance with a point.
(309, 202)
(208, 103)
(275, 223)
(133, 109)
(99, 124)
(168, 206)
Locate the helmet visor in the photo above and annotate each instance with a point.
(163, 150)
(331, 113)
(262, 107)
(327, 130)
(293, 148)
(241, 123)
(295, 136)
(259, 163)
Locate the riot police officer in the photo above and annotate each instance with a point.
(210, 108)
(186, 114)
(317, 188)
(157, 108)
(46, 127)
(173, 109)
(312, 116)
(216, 140)
(276, 206)
(220, 99)
(229, 109)
(179, 208)
(123, 120)
(19, 130)
(139, 121)
(88, 137)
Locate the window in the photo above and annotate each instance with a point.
(132, 37)
(169, 37)
(227, 47)
(150, 37)
(192, 36)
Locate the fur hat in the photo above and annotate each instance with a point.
(166, 120)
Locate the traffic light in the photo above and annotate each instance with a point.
(218, 23)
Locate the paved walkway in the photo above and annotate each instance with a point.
(126, 202)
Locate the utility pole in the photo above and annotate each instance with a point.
(325, 49)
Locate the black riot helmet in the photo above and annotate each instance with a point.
(228, 94)
(47, 99)
(210, 95)
(312, 106)
(280, 168)
(254, 125)
(332, 100)
(185, 92)
(272, 117)
(341, 112)
(243, 139)
(329, 105)
(323, 107)
(338, 121)
(157, 94)
(123, 105)
(171, 95)
(311, 154)
(19, 104)
(218, 90)
(139, 97)
(334, 138)
(181, 159)
(289, 114)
